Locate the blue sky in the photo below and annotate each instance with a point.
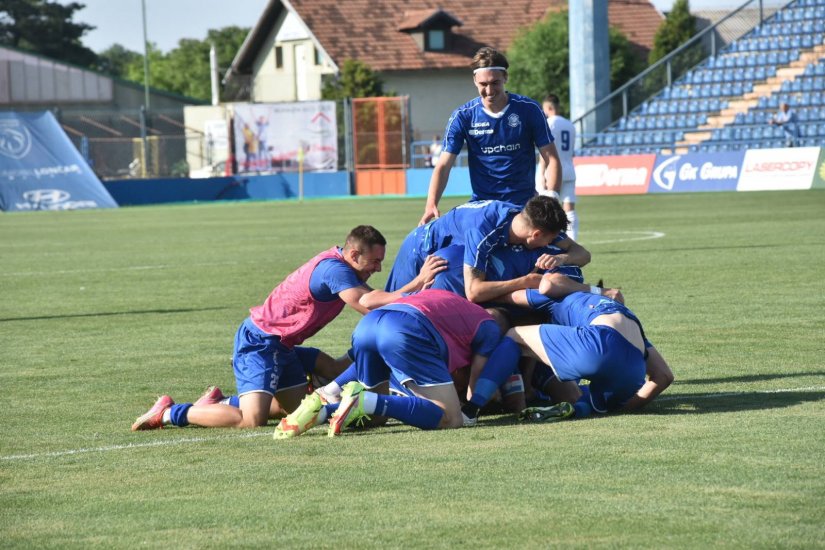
(167, 21)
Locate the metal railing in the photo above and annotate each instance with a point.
(671, 67)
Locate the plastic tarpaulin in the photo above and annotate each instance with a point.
(40, 168)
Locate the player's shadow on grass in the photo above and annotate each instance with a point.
(747, 378)
(699, 403)
(111, 313)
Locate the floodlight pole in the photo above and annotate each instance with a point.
(145, 57)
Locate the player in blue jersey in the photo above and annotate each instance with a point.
(482, 227)
(501, 131)
(595, 338)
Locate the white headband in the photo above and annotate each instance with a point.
(490, 69)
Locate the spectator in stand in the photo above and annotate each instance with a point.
(786, 118)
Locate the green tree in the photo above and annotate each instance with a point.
(185, 69)
(677, 28)
(540, 63)
(46, 28)
(116, 59)
(356, 80)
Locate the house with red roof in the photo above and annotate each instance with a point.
(420, 48)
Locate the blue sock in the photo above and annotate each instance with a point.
(582, 406)
(234, 401)
(178, 414)
(413, 411)
(501, 364)
(331, 408)
(348, 375)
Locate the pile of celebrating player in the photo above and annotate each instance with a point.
(485, 306)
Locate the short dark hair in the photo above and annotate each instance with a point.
(365, 237)
(554, 100)
(545, 213)
(488, 57)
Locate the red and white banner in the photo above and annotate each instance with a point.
(278, 136)
(778, 169)
(615, 175)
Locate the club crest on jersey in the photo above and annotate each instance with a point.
(513, 120)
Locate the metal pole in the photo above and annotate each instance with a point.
(145, 57)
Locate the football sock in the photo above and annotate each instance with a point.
(413, 411)
(232, 401)
(178, 414)
(500, 365)
(572, 224)
(349, 375)
(582, 406)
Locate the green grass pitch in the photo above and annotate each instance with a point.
(101, 311)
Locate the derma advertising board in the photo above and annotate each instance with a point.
(696, 172)
(40, 168)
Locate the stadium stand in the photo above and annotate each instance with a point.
(726, 101)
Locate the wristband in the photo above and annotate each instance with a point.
(595, 290)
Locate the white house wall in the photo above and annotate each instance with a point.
(272, 84)
(433, 97)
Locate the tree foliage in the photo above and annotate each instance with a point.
(356, 79)
(46, 28)
(185, 69)
(540, 63)
(677, 28)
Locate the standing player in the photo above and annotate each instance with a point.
(419, 339)
(268, 370)
(502, 131)
(565, 134)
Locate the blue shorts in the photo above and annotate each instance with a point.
(401, 345)
(263, 364)
(614, 366)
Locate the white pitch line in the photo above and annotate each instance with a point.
(243, 435)
(640, 236)
(108, 448)
(111, 269)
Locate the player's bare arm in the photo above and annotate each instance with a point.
(551, 164)
(479, 290)
(376, 298)
(438, 182)
(574, 254)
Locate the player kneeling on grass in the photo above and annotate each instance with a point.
(599, 339)
(419, 340)
(270, 369)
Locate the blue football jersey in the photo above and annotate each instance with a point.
(501, 147)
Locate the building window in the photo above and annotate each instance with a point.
(279, 57)
(317, 56)
(435, 39)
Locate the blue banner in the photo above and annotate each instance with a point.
(40, 168)
(696, 172)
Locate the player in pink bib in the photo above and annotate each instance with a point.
(270, 366)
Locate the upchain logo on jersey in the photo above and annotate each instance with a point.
(513, 120)
(51, 199)
(15, 139)
(509, 148)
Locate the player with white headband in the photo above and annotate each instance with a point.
(502, 131)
